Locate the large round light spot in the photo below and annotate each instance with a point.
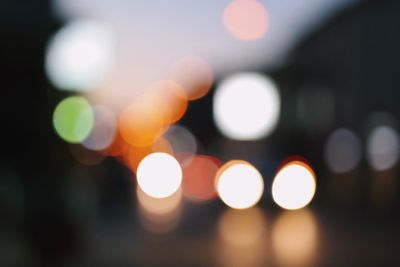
(159, 175)
(383, 148)
(246, 106)
(246, 20)
(294, 186)
(80, 55)
(239, 184)
(342, 151)
(73, 119)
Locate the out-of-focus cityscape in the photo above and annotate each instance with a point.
(200, 133)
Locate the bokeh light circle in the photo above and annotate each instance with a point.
(141, 123)
(73, 119)
(239, 184)
(159, 175)
(199, 178)
(383, 148)
(246, 106)
(194, 74)
(80, 55)
(246, 20)
(183, 142)
(104, 129)
(294, 186)
(342, 151)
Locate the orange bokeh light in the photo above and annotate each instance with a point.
(194, 74)
(246, 20)
(199, 177)
(169, 97)
(117, 148)
(135, 154)
(141, 123)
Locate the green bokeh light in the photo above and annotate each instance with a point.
(73, 119)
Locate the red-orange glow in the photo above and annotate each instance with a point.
(117, 148)
(194, 74)
(141, 123)
(246, 20)
(198, 178)
(170, 98)
(135, 154)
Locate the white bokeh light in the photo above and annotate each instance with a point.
(294, 186)
(239, 184)
(159, 175)
(246, 106)
(80, 55)
(383, 148)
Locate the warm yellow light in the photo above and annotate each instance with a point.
(159, 175)
(294, 186)
(246, 106)
(242, 227)
(239, 184)
(295, 238)
(158, 206)
(243, 237)
(159, 215)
